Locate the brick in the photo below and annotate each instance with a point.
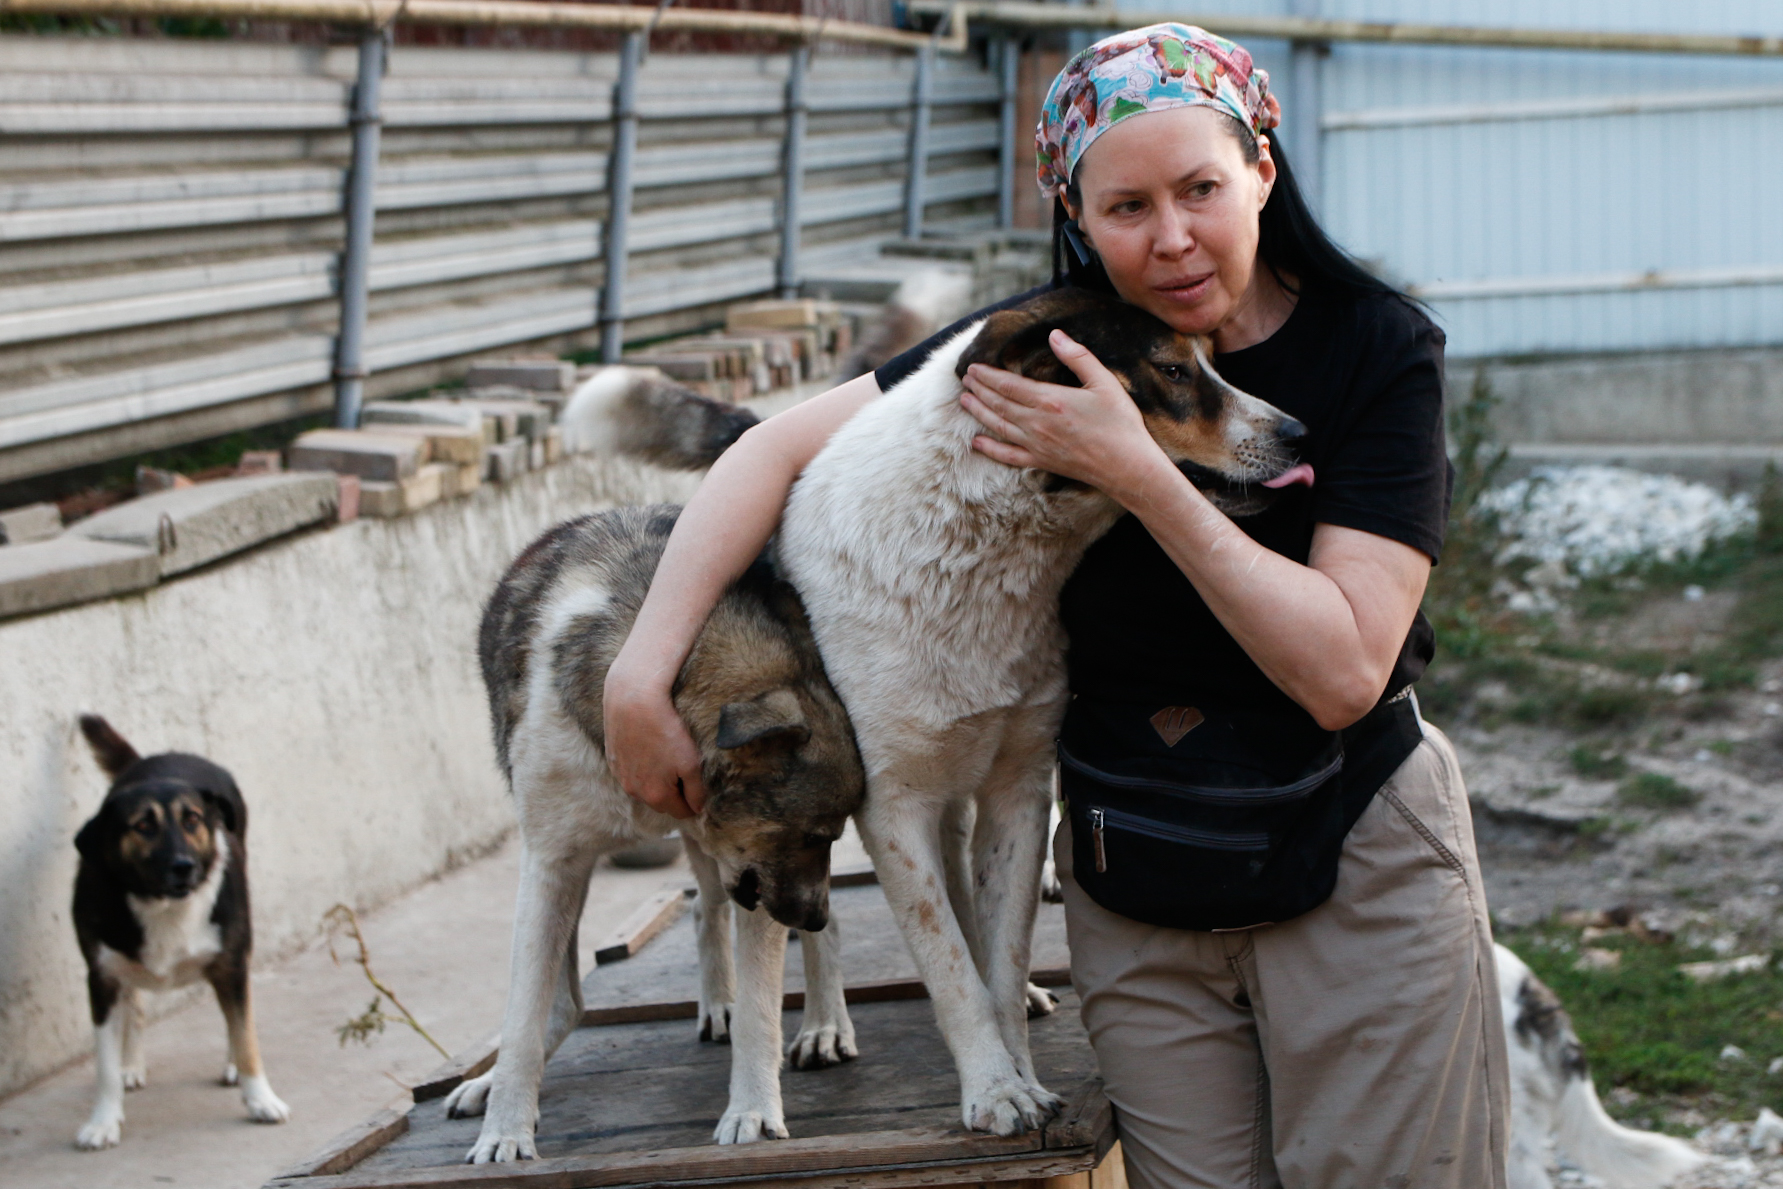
(505, 461)
(378, 499)
(789, 314)
(445, 443)
(347, 509)
(527, 419)
(460, 478)
(431, 411)
(432, 483)
(553, 446)
(694, 368)
(539, 375)
(385, 457)
(260, 462)
(32, 522)
(48, 574)
(190, 526)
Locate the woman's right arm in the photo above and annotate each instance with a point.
(721, 531)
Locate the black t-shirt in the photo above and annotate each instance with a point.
(1365, 375)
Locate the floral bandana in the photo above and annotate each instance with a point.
(1155, 68)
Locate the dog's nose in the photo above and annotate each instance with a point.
(1289, 429)
(184, 865)
(816, 917)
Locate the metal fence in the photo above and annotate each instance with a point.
(172, 245)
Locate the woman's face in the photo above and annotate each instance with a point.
(1170, 205)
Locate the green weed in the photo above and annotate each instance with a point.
(1593, 764)
(1651, 1030)
(1655, 790)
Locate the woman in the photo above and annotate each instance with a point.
(1353, 1038)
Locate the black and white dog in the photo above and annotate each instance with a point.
(161, 901)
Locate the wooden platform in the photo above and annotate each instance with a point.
(632, 1097)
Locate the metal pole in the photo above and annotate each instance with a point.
(792, 180)
(355, 266)
(1305, 119)
(1006, 153)
(619, 171)
(917, 174)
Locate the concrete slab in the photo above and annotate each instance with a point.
(370, 455)
(443, 948)
(190, 526)
(48, 574)
(541, 375)
(33, 522)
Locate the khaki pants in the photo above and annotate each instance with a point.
(1359, 1046)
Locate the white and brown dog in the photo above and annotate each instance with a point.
(781, 773)
(932, 575)
(1554, 1105)
(160, 902)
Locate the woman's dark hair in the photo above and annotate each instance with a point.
(1289, 238)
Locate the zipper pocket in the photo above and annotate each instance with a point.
(1286, 792)
(1102, 819)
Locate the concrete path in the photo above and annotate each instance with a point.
(443, 948)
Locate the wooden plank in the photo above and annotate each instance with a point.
(651, 918)
(1087, 1119)
(854, 877)
(472, 1062)
(353, 1145)
(945, 1150)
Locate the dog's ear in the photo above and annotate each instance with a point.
(775, 715)
(225, 807)
(109, 748)
(1013, 340)
(90, 842)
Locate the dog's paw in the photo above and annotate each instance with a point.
(1051, 890)
(263, 1105)
(1007, 1106)
(229, 1077)
(500, 1146)
(468, 1098)
(715, 1023)
(746, 1127)
(103, 1130)
(135, 1078)
(1041, 1002)
(822, 1047)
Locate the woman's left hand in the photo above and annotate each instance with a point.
(1093, 434)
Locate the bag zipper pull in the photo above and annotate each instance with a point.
(1096, 822)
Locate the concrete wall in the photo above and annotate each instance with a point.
(1712, 415)
(334, 672)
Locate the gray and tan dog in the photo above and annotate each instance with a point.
(782, 776)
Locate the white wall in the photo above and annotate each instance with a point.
(334, 673)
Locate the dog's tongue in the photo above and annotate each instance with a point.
(1291, 476)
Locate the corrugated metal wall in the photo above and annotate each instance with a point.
(1555, 201)
(170, 214)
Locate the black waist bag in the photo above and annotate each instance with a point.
(1216, 821)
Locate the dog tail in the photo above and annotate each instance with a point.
(1621, 1156)
(637, 411)
(109, 748)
